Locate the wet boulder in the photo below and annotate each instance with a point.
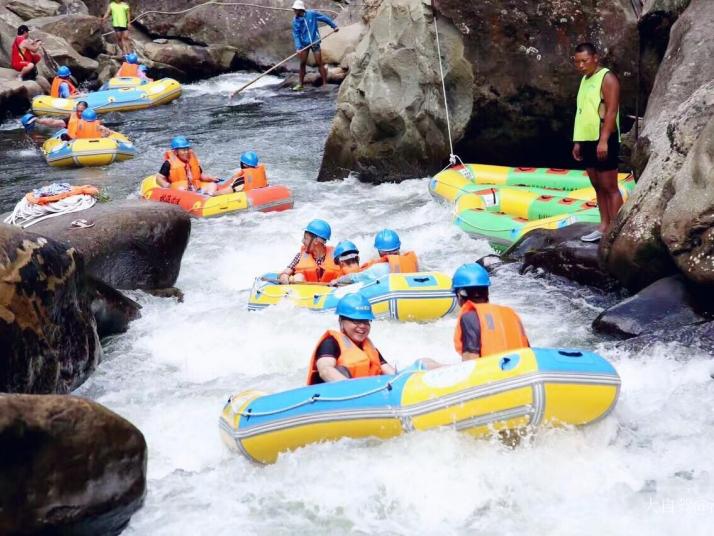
(8, 31)
(680, 107)
(112, 310)
(561, 252)
(664, 305)
(73, 7)
(16, 96)
(63, 53)
(82, 32)
(192, 60)
(132, 244)
(68, 466)
(47, 330)
(698, 337)
(31, 9)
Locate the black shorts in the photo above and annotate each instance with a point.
(119, 28)
(588, 150)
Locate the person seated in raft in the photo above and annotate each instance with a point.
(132, 67)
(346, 256)
(483, 328)
(90, 127)
(348, 353)
(314, 263)
(182, 170)
(30, 122)
(388, 247)
(251, 175)
(62, 86)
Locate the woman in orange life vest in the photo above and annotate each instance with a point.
(348, 353)
(483, 328)
(250, 176)
(132, 67)
(181, 169)
(314, 262)
(25, 55)
(388, 247)
(90, 127)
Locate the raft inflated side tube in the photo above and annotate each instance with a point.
(506, 391)
(87, 152)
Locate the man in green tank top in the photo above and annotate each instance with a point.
(596, 134)
(121, 16)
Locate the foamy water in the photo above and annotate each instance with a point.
(645, 469)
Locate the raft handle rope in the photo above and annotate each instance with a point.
(319, 398)
(453, 158)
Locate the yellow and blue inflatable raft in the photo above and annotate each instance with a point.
(112, 100)
(87, 152)
(419, 296)
(509, 391)
(502, 204)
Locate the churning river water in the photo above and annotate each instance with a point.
(646, 469)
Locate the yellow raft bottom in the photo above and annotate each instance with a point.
(87, 152)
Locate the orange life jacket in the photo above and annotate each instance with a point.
(501, 329)
(56, 82)
(254, 178)
(404, 263)
(360, 362)
(308, 267)
(88, 129)
(178, 176)
(75, 190)
(128, 69)
(72, 125)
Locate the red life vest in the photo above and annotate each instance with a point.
(57, 81)
(405, 263)
(178, 176)
(128, 69)
(360, 362)
(18, 56)
(501, 329)
(88, 129)
(308, 267)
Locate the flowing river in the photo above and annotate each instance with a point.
(645, 469)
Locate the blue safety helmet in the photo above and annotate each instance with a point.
(319, 228)
(387, 240)
(64, 72)
(28, 121)
(89, 115)
(343, 248)
(470, 275)
(180, 142)
(249, 158)
(355, 306)
(132, 58)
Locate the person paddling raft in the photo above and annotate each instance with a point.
(250, 176)
(132, 68)
(90, 127)
(346, 256)
(596, 133)
(62, 86)
(30, 122)
(182, 170)
(348, 353)
(306, 34)
(314, 263)
(483, 328)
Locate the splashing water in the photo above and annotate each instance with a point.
(643, 470)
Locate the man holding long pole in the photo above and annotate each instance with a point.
(307, 36)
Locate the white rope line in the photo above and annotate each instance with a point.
(452, 156)
(318, 398)
(25, 213)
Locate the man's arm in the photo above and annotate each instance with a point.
(327, 369)
(611, 96)
(327, 20)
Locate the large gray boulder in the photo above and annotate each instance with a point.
(68, 466)
(31, 9)
(680, 108)
(62, 52)
(134, 244)
(8, 31)
(82, 32)
(16, 96)
(390, 120)
(47, 330)
(514, 105)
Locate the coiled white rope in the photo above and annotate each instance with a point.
(26, 213)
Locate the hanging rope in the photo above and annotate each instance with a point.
(215, 3)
